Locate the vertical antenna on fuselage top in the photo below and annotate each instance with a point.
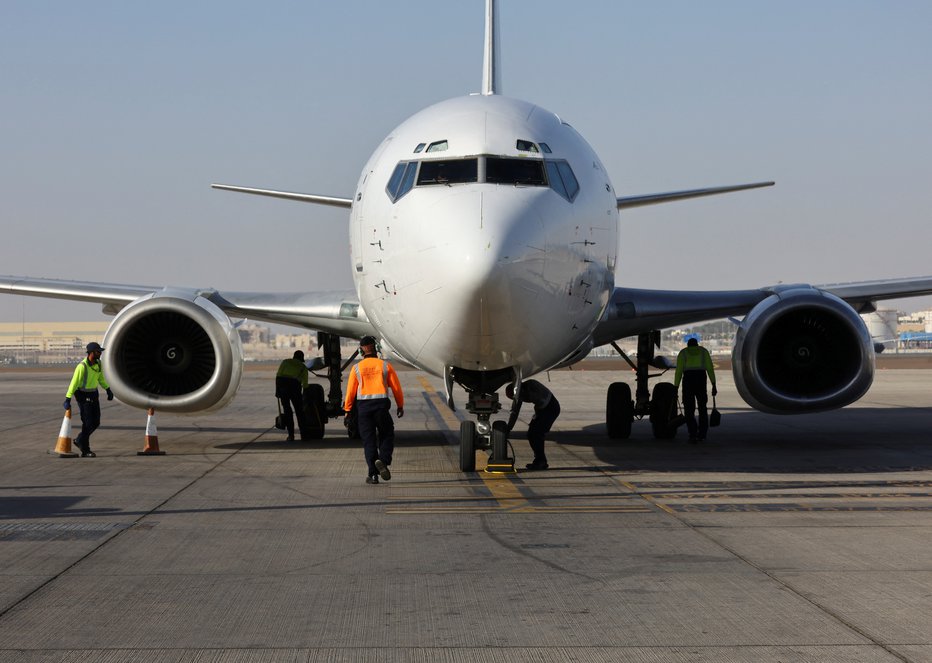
(491, 81)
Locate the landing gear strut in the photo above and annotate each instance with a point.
(333, 407)
(659, 406)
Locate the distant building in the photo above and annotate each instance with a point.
(47, 342)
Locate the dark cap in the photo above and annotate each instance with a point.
(367, 340)
(94, 347)
(298, 355)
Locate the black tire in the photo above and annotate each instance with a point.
(468, 446)
(663, 410)
(315, 411)
(619, 411)
(499, 441)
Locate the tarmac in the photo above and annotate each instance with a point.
(805, 538)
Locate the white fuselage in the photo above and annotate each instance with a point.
(490, 271)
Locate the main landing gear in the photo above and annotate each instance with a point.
(318, 409)
(658, 405)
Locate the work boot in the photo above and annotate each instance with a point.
(383, 470)
(290, 437)
(538, 464)
(373, 479)
(88, 454)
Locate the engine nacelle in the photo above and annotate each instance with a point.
(802, 350)
(173, 351)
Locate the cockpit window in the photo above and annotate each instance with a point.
(439, 146)
(501, 170)
(546, 148)
(516, 171)
(419, 148)
(402, 179)
(562, 179)
(453, 171)
(526, 146)
(569, 179)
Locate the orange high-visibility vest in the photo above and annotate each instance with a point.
(372, 378)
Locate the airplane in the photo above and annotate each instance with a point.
(483, 233)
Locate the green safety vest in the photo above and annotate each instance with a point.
(294, 369)
(86, 378)
(694, 358)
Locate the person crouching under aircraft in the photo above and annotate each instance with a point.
(546, 411)
(368, 386)
(290, 383)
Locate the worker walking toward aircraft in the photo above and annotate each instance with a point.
(368, 386)
(87, 375)
(290, 383)
(546, 411)
(692, 364)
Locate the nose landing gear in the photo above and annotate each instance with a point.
(482, 434)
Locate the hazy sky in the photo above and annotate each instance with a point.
(115, 117)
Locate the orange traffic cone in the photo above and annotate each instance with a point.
(152, 437)
(63, 447)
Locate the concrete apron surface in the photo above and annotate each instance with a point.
(779, 539)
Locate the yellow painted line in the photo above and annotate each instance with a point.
(528, 509)
(648, 498)
(445, 413)
(503, 489)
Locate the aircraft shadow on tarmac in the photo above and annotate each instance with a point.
(852, 440)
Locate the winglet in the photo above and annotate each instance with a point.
(491, 80)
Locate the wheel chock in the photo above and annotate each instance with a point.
(500, 466)
(63, 446)
(152, 437)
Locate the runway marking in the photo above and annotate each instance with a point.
(504, 489)
(450, 509)
(791, 508)
(679, 497)
(647, 498)
(450, 419)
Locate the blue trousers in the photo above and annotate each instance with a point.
(377, 431)
(89, 404)
(540, 425)
(694, 393)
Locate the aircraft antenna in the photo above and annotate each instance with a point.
(491, 81)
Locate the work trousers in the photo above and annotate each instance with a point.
(540, 425)
(694, 393)
(89, 404)
(288, 391)
(377, 431)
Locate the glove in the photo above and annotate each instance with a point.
(401, 412)
(110, 394)
(714, 390)
(67, 403)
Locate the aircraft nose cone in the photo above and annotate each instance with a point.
(482, 275)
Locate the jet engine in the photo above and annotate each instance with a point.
(174, 351)
(802, 350)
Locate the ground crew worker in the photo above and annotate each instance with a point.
(692, 364)
(290, 383)
(546, 411)
(368, 386)
(87, 375)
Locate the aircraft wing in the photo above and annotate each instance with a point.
(633, 311)
(336, 312)
(673, 196)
